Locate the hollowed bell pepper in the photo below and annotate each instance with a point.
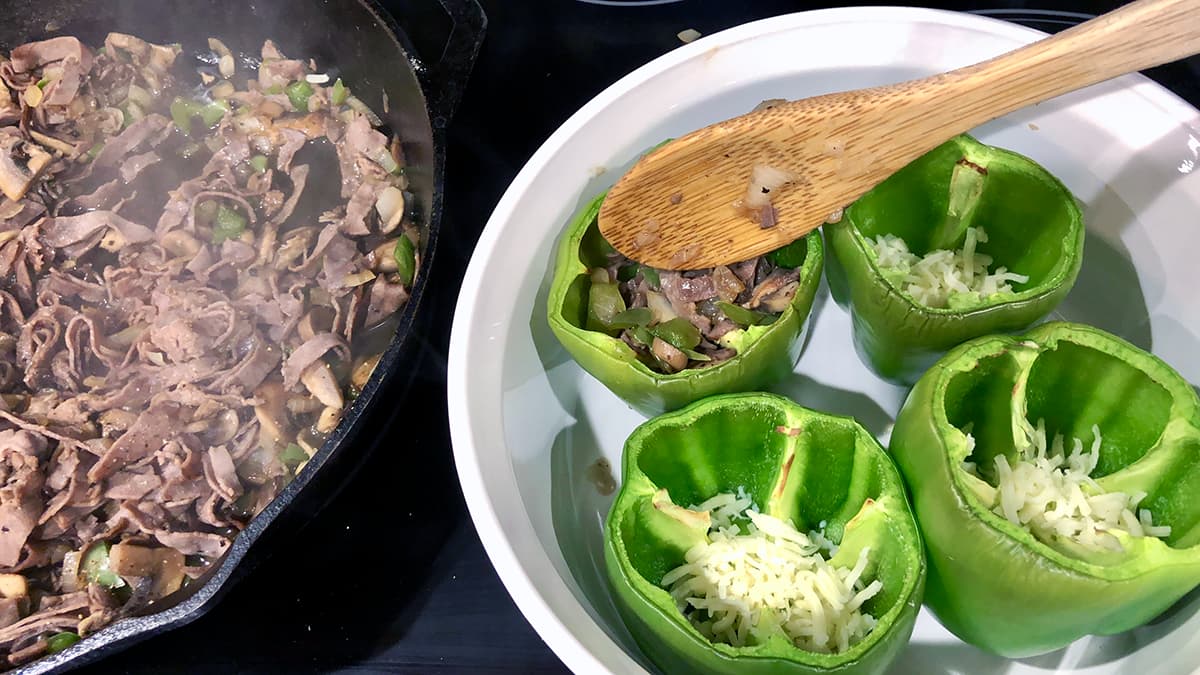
(799, 465)
(992, 582)
(1033, 224)
(765, 353)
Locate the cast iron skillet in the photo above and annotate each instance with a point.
(374, 56)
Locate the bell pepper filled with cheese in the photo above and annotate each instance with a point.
(1055, 477)
(661, 339)
(967, 240)
(752, 535)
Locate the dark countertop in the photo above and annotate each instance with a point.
(389, 574)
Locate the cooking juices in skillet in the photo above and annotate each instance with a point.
(187, 304)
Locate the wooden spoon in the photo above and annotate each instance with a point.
(675, 209)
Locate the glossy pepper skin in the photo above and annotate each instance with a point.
(830, 470)
(993, 583)
(1033, 224)
(766, 353)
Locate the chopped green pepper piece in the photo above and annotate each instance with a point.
(681, 333)
(811, 469)
(1033, 224)
(405, 254)
(994, 583)
(229, 224)
(604, 303)
(638, 316)
(627, 272)
(293, 456)
(95, 149)
(651, 276)
(340, 92)
(95, 567)
(298, 93)
(744, 317)
(59, 642)
(182, 111)
(258, 163)
(764, 353)
(41, 84)
(212, 113)
(642, 335)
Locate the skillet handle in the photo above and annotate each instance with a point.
(445, 79)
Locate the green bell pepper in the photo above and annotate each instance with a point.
(992, 582)
(810, 468)
(1033, 224)
(765, 352)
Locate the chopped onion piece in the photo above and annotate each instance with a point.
(763, 181)
(317, 78)
(357, 105)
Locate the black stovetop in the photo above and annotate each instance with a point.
(389, 574)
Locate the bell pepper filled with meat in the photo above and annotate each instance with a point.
(662, 339)
(967, 240)
(752, 535)
(1056, 479)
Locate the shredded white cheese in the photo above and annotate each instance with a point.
(944, 278)
(764, 575)
(1051, 493)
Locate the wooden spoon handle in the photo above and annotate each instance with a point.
(1140, 35)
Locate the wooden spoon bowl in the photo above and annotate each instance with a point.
(682, 206)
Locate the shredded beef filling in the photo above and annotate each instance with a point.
(716, 302)
(180, 328)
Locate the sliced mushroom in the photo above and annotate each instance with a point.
(180, 243)
(317, 320)
(319, 381)
(302, 405)
(20, 163)
(271, 109)
(672, 359)
(115, 420)
(390, 205)
(70, 571)
(311, 125)
(113, 240)
(357, 278)
(775, 292)
(271, 412)
(163, 565)
(383, 257)
(328, 419)
(13, 586)
(363, 369)
(294, 247)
